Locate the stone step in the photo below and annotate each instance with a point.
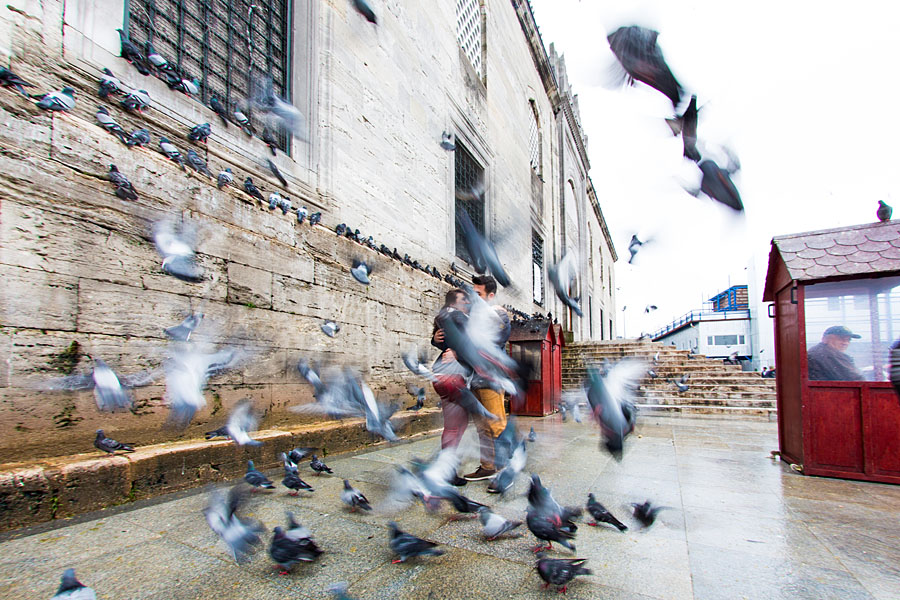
(736, 412)
(680, 401)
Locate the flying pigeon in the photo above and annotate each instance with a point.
(124, 189)
(562, 275)
(243, 121)
(251, 189)
(406, 545)
(353, 498)
(177, 251)
(649, 308)
(481, 251)
(636, 49)
(884, 211)
(220, 432)
(507, 476)
(292, 546)
(110, 389)
(560, 571)
(653, 374)
(110, 125)
(330, 328)
(171, 152)
(241, 535)
(267, 101)
(256, 478)
(646, 513)
(717, 184)
(493, 525)
(197, 163)
(200, 133)
(109, 445)
(601, 515)
(10, 79)
(682, 387)
(269, 138)
(132, 54)
(448, 142)
(633, 247)
(298, 454)
(365, 10)
(187, 372)
(139, 137)
(219, 109)
(361, 271)
(611, 401)
(318, 466)
(276, 172)
(72, 589)
(109, 84)
(135, 100)
(225, 178)
(689, 130)
(63, 100)
(241, 422)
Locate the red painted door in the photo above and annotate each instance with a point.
(835, 436)
(881, 422)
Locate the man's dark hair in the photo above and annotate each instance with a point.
(489, 283)
(452, 296)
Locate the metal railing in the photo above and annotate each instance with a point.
(695, 316)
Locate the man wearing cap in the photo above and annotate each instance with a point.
(828, 360)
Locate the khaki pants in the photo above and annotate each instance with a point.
(488, 430)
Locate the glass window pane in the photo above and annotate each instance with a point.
(850, 326)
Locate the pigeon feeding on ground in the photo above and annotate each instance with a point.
(135, 100)
(63, 100)
(72, 589)
(353, 498)
(11, 80)
(641, 58)
(251, 189)
(546, 519)
(133, 54)
(256, 478)
(493, 525)
(292, 479)
(138, 137)
(562, 275)
(183, 331)
(646, 513)
(363, 8)
(171, 152)
(241, 535)
(560, 571)
(274, 169)
(601, 515)
(187, 372)
(292, 546)
(110, 389)
(330, 328)
(109, 445)
(406, 545)
(177, 250)
(196, 162)
(200, 133)
(884, 211)
(219, 109)
(110, 124)
(318, 466)
(448, 142)
(361, 271)
(225, 178)
(124, 189)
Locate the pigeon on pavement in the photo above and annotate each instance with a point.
(241, 535)
(546, 519)
(293, 545)
(560, 571)
(493, 525)
(406, 545)
(256, 478)
(72, 589)
(601, 515)
(318, 466)
(353, 498)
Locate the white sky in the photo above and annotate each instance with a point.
(804, 92)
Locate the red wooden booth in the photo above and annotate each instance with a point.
(539, 344)
(836, 295)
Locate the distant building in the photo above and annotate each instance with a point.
(718, 330)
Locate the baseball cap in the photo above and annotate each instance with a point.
(841, 331)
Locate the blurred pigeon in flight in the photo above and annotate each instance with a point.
(256, 478)
(716, 183)
(482, 251)
(298, 454)
(646, 513)
(406, 545)
(562, 274)
(267, 101)
(681, 385)
(225, 178)
(72, 589)
(339, 591)
(171, 152)
(330, 328)
(448, 141)
(649, 308)
(124, 189)
(353, 498)
(241, 535)
(63, 100)
(639, 55)
(493, 525)
(219, 109)
(110, 445)
(276, 172)
(110, 124)
(110, 389)
(415, 362)
(135, 100)
(601, 515)
(251, 189)
(187, 373)
(361, 271)
(139, 137)
(197, 163)
(11, 80)
(884, 211)
(363, 8)
(634, 247)
(689, 131)
(611, 401)
(177, 251)
(133, 54)
(109, 84)
(200, 133)
(560, 571)
(292, 546)
(241, 422)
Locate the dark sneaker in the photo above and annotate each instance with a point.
(493, 488)
(480, 474)
(458, 481)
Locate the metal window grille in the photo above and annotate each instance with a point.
(468, 31)
(469, 177)
(537, 269)
(534, 140)
(224, 44)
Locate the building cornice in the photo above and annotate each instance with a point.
(595, 204)
(538, 52)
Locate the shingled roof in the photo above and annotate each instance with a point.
(856, 250)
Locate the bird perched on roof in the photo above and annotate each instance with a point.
(109, 124)
(110, 389)
(200, 133)
(109, 84)
(10, 79)
(353, 498)
(269, 138)
(135, 100)
(72, 589)
(243, 121)
(132, 54)
(171, 151)
(225, 178)
(124, 189)
(560, 571)
(155, 58)
(292, 546)
(276, 172)
(256, 478)
(197, 163)
(639, 55)
(601, 515)
(219, 109)
(251, 189)
(63, 100)
(302, 213)
(241, 535)
(884, 211)
(110, 445)
(406, 545)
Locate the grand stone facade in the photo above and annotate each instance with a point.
(81, 278)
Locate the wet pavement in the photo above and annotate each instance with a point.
(740, 525)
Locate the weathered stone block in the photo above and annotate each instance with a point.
(249, 286)
(37, 299)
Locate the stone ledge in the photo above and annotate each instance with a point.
(32, 493)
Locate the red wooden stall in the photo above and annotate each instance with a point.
(540, 344)
(827, 288)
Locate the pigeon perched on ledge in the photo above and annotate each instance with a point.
(109, 445)
(11, 80)
(63, 100)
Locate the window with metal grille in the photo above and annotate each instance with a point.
(469, 195)
(224, 44)
(537, 268)
(468, 31)
(534, 139)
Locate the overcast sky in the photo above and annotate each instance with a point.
(805, 93)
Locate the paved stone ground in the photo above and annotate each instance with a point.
(740, 526)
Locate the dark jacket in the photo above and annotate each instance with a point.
(827, 364)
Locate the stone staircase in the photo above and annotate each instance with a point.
(715, 387)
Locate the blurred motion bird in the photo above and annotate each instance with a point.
(546, 518)
(177, 251)
(601, 515)
(298, 454)
(407, 546)
(681, 385)
(72, 589)
(884, 211)
(330, 328)
(363, 8)
(293, 545)
(361, 271)
(256, 478)
(560, 571)
(689, 122)
(240, 535)
(110, 389)
(637, 51)
(646, 513)
(611, 400)
(241, 422)
(63, 100)
(419, 394)
(11, 80)
(139, 137)
(274, 169)
(633, 247)
(187, 372)
(109, 84)
(562, 275)
(110, 445)
(266, 101)
(716, 183)
(493, 525)
(339, 591)
(353, 498)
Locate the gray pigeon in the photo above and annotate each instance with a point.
(63, 100)
(110, 124)
(72, 589)
(243, 121)
(562, 275)
(276, 172)
(633, 247)
(532, 436)
(241, 535)
(266, 101)
(330, 328)
(406, 545)
(200, 133)
(138, 137)
(298, 454)
(448, 142)
(225, 178)
(256, 478)
(302, 212)
(111, 446)
(274, 200)
(353, 498)
(124, 189)
(8, 79)
(241, 422)
(560, 571)
(135, 100)
(182, 332)
(292, 546)
(493, 525)
(601, 515)
(197, 163)
(318, 466)
(682, 387)
(361, 271)
(884, 211)
(251, 189)
(110, 389)
(187, 372)
(171, 152)
(646, 513)
(339, 591)
(176, 249)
